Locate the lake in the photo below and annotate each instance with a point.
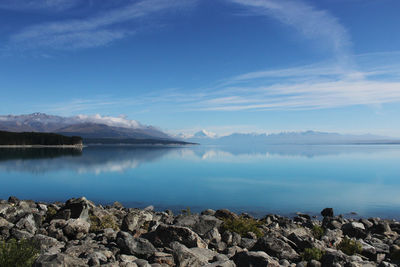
(266, 179)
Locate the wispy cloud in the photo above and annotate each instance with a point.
(54, 5)
(309, 21)
(97, 30)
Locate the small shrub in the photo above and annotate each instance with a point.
(312, 254)
(51, 212)
(18, 253)
(97, 224)
(317, 231)
(350, 246)
(187, 211)
(242, 226)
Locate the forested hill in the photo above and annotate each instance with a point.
(37, 139)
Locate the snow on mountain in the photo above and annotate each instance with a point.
(89, 126)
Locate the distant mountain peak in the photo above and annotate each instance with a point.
(205, 134)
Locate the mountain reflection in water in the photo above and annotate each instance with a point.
(262, 179)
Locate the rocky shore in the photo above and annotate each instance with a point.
(79, 233)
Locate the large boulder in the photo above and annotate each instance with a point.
(48, 244)
(187, 258)
(58, 260)
(135, 219)
(276, 247)
(225, 214)
(201, 224)
(327, 212)
(75, 208)
(76, 228)
(139, 247)
(354, 229)
(254, 259)
(165, 234)
(28, 223)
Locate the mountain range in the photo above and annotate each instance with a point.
(82, 125)
(287, 138)
(102, 129)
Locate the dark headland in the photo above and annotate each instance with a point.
(37, 139)
(41, 139)
(80, 233)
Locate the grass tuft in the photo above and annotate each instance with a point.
(350, 246)
(242, 226)
(98, 224)
(312, 254)
(317, 231)
(21, 253)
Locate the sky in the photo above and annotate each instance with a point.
(221, 65)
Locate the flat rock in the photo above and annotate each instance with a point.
(164, 234)
(254, 259)
(139, 247)
(58, 260)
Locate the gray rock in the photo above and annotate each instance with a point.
(314, 263)
(163, 258)
(96, 258)
(28, 224)
(142, 263)
(254, 259)
(139, 247)
(213, 236)
(20, 234)
(76, 228)
(208, 212)
(58, 260)
(225, 214)
(332, 257)
(276, 247)
(327, 212)
(164, 234)
(247, 243)
(5, 224)
(135, 219)
(222, 263)
(127, 258)
(231, 251)
(354, 229)
(201, 224)
(204, 253)
(79, 208)
(301, 241)
(186, 257)
(46, 243)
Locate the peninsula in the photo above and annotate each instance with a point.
(34, 139)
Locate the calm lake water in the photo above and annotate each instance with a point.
(269, 179)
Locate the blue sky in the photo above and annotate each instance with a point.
(223, 65)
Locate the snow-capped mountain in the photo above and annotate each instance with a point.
(287, 138)
(87, 126)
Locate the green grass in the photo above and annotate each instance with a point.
(317, 231)
(350, 246)
(98, 224)
(312, 254)
(18, 253)
(242, 226)
(187, 211)
(51, 212)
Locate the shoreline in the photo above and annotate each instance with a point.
(42, 146)
(80, 233)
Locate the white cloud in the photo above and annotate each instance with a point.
(54, 5)
(121, 121)
(308, 20)
(93, 31)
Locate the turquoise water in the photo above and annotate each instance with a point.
(265, 179)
